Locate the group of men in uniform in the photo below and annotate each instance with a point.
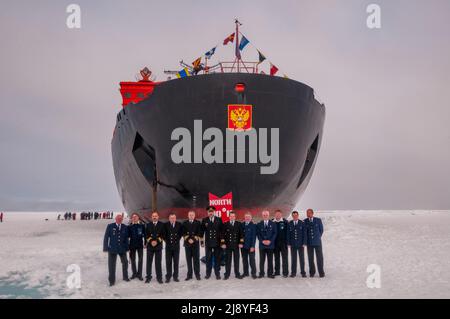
(230, 240)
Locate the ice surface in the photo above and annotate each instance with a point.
(411, 247)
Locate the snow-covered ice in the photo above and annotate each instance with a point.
(412, 249)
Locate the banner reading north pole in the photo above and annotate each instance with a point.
(223, 205)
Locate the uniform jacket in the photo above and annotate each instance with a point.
(212, 231)
(282, 227)
(296, 235)
(314, 231)
(154, 233)
(172, 235)
(249, 233)
(269, 233)
(137, 235)
(192, 231)
(115, 241)
(232, 236)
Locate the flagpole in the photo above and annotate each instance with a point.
(237, 43)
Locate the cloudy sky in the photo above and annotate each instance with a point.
(387, 138)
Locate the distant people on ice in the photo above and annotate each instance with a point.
(88, 215)
(278, 238)
(1, 217)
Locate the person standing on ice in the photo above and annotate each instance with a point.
(211, 230)
(232, 240)
(116, 242)
(192, 234)
(281, 249)
(296, 240)
(314, 232)
(173, 232)
(266, 231)
(1, 217)
(154, 234)
(136, 231)
(248, 250)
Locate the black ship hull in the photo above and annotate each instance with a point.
(148, 178)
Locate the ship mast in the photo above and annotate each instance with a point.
(238, 59)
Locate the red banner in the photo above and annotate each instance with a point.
(223, 205)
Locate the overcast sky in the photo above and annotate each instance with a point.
(387, 137)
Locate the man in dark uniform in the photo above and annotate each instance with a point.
(116, 242)
(137, 243)
(172, 235)
(154, 234)
(212, 228)
(314, 231)
(266, 231)
(192, 233)
(296, 239)
(232, 240)
(248, 249)
(281, 249)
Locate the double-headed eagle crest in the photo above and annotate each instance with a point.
(239, 117)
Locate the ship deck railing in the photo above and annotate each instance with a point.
(235, 66)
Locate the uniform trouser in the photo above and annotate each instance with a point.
(301, 254)
(137, 272)
(193, 259)
(263, 253)
(283, 253)
(248, 257)
(319, 257)
(112, 261)
(232, 255)
(216, 252)
(157, 255)
(172, 258)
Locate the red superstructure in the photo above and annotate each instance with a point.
(134, 92)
